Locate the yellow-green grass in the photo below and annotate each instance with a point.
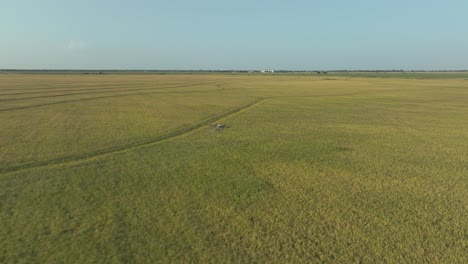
(310, 169)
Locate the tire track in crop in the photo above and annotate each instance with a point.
(66, 86)
(70, 84)
(108, 96)
(78, 87)
(125, 147)
(72, 89)
(98, 92)
(111, 96)
(43, 85)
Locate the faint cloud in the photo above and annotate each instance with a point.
(76, 45)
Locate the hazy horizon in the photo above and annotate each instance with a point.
(236, 70)
(241, 35)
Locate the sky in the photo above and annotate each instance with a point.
(240, 34)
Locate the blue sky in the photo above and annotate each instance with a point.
(241, 34)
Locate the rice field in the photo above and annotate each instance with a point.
(127, 168)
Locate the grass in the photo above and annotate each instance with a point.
(309, 169)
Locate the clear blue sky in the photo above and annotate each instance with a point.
(240, 34)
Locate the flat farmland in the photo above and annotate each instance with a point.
(120, 168)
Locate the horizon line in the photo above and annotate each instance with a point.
(240, 70)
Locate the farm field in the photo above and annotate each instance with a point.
(316, 169)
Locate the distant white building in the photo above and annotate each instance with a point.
(268, 71)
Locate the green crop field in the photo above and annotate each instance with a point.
(122, 168)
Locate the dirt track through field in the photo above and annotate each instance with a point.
(122, 148)
(109, 96)
(69, 88)
(107, 91)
